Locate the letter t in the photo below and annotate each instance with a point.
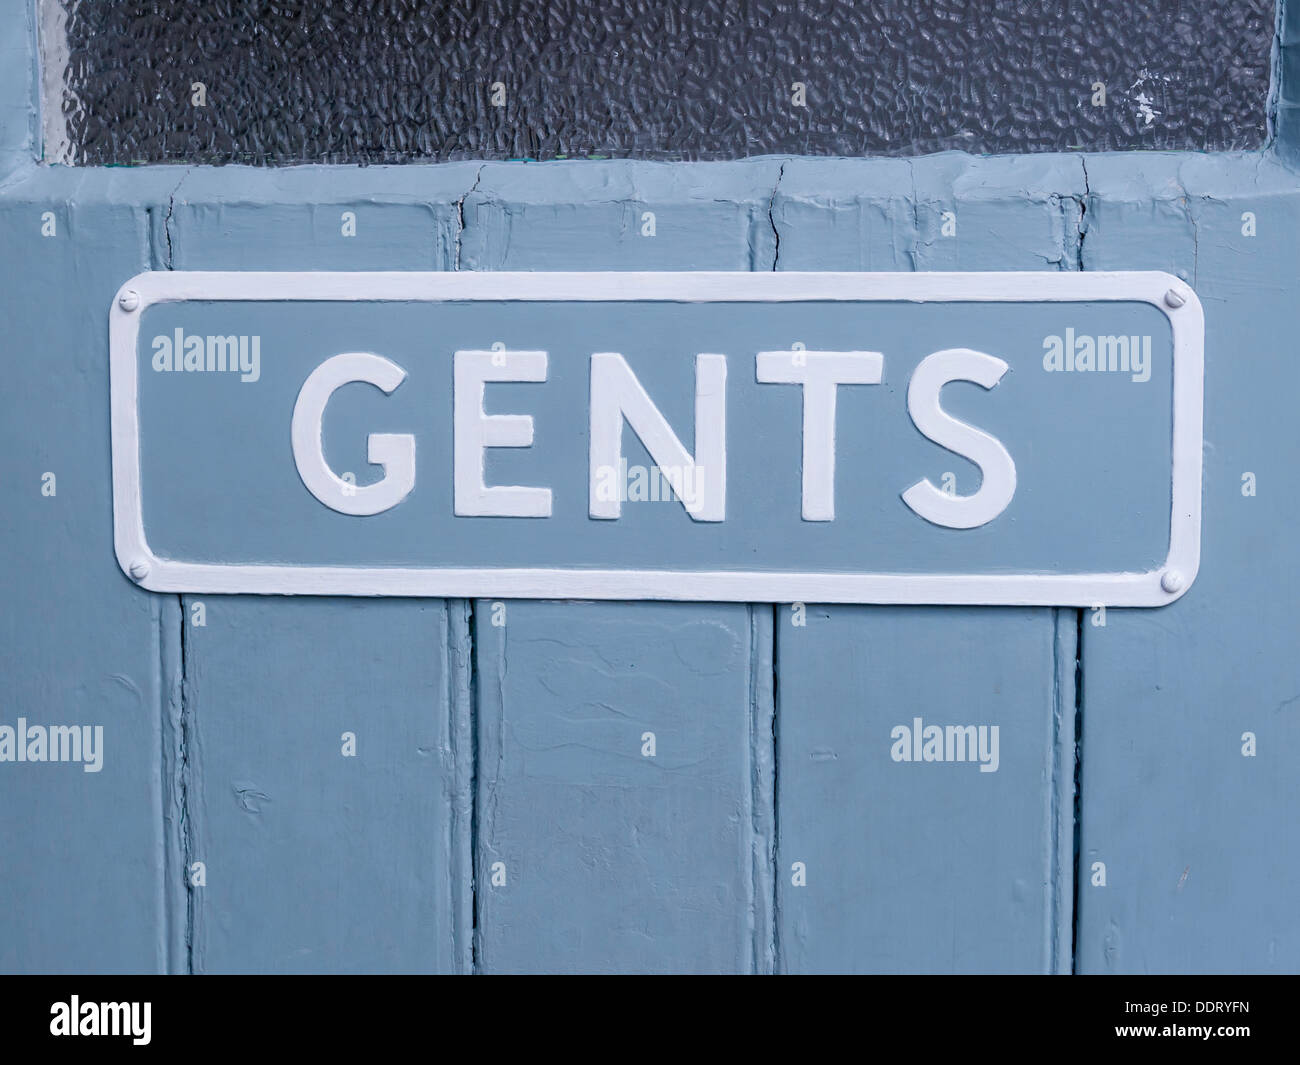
(821, 373)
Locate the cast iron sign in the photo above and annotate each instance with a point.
(1029, 438)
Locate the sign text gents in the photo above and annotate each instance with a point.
(617, 397)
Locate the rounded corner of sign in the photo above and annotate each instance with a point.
(1174, 297)
(1174, 580)
(141, 566)
(138, 292)
(1190, 574)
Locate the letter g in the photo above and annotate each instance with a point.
(394, 452)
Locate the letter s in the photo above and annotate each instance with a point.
(394, 452)
(987, 452)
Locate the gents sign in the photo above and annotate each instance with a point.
(886, 438)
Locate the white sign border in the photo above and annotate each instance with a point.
(1157, 587)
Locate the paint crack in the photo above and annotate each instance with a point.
(916, 215)
(460, 215)
(771, 218)
(1081, 224)
(167, 221)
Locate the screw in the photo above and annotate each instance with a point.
(139, 569)
(1174, 299)
(1172, 581)
(129, 300)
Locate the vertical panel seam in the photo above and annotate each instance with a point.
(471, 631)
(174, 732)
(1060, 800)
(1078, 786)
(459, 687)
(762, 894)
(466, 637)
(777, 959)
(1053, 805)
(187, 823)
(756, 914)
(162, 737)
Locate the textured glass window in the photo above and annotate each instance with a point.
(403, 80)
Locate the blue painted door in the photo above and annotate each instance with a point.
(326, 784)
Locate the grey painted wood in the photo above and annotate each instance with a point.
(1199, 840)
(924, 867)
(615, 861)
(617, 823)
(316, 861)
(82, 885)
(902, 872)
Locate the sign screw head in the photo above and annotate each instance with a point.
(139, 569)
(1172, 581)
(129, 300)
(1174, 298)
